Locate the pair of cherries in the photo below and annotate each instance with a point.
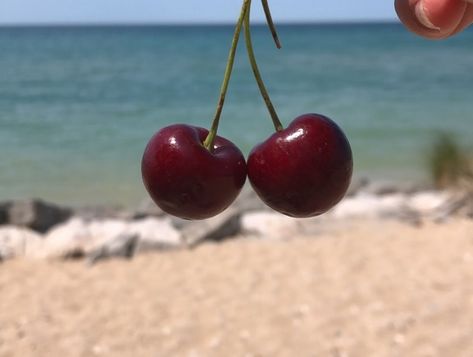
(301, 171)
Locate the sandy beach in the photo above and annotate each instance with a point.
(374, 288)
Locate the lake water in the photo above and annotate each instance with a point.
(78, 104)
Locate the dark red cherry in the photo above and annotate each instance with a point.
(187, 180)
(303, 170)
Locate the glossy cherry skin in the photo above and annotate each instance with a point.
(185, 179)
(303, 170)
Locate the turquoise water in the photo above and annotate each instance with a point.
(77, 105)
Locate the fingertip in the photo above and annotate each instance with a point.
(434, 19)
(445, 15)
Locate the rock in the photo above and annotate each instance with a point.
(270, 225)
(36, 214)
(113, 238)
(356, 186)
(68, 240)
(78, 238)
(155, 234)
(248, 200)
(16, 242)
(458, 203)
(405, 215)
(426, 202)
(369, 205)
(90, 213)
(218, 228)
(147, 208)
(379, 188)
(468, 209)
(103, 231)
(4, 207)
(124, 245)
(416, 187)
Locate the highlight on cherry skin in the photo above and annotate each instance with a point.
(185, 179)
(303, 170)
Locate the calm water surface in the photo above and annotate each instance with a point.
(78, 104)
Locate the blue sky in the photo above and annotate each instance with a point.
(187, 11)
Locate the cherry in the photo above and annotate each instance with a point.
(303, 170)
(190, 172)
(186, 179)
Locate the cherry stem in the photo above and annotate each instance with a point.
(209, 141)
(251, 55)
(269, 20)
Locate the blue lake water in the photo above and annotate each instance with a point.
(78, 104)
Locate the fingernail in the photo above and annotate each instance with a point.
(422, 16)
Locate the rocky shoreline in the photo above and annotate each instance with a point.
(34, 229)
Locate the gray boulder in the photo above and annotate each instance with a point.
(369, 206)
(103, 231)
(16, 242)
(382, 188)
(78, 237)
(248, 200)
(155, 234)
(218, 228)
(71, 239)
(427, 201)
(270, 225)
(90, 213)
(147, 208)
(124, 246)
(37, 215)
(356, 185)
(125, 239)
(459, 203)
(4, 207)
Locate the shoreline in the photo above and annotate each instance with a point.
(375, 182)
(38, 229)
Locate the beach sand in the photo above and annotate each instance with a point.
(379, 288)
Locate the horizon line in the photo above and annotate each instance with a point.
(197, 23)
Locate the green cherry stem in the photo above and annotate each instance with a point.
(209, 141)
(269, 20)
(251, 55)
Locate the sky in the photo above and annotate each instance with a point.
(188, 11)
